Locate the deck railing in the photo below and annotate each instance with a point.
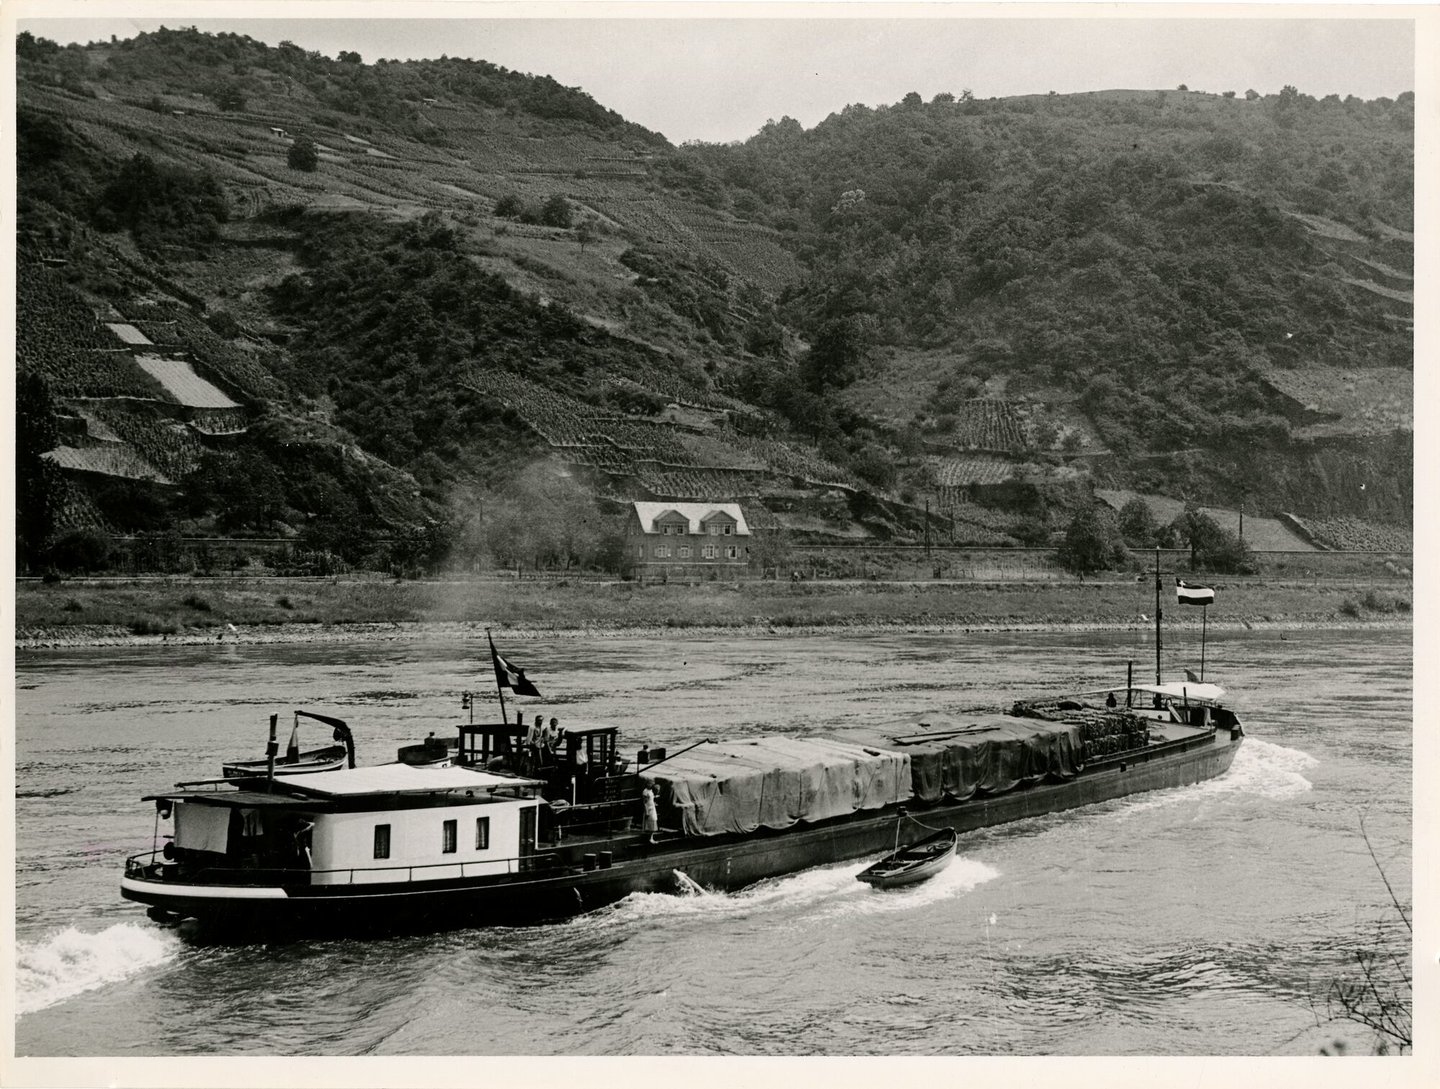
(137, 867)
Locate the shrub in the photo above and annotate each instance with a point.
(555, 212)
(198, 603)
(73, 606)
(149, 625)
(303, 154)
(1378, 602)
(1092, 542)
(284, 602)
(81, 550)
(1349, 607)
(223, 324)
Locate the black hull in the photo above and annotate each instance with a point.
(722, 863)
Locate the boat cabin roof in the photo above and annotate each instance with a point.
(1191, 691)
(381, 781)
(397, 779)
(219, 795)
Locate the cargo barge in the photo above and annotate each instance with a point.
(491, 827)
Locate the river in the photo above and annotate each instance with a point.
(1193, 921)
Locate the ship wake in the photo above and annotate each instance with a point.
(821, 893)
(1261, 768)
(70, 962)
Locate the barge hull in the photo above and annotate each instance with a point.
(722, 863)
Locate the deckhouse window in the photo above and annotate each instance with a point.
(448, 838)
(709, 552)
(382, 841)
(684, 552)
(732, 552)
(727, 530)
(482, 833)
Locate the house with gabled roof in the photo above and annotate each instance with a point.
(687, 537)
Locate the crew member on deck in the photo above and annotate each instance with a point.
(532, 742)
(651, 818)
(1110, 701)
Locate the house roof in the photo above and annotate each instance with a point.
(695, 514)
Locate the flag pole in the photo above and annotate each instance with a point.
(504, 715)
(1157, 614)
(1204, 615)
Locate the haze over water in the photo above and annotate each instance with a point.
(1189, 921)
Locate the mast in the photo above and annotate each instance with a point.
(1157, 614)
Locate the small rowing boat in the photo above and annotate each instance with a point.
(295, 762)
(913, 863)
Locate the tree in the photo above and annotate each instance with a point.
(1251, 95)
(555, 212)
(229, 96)
(508, 206)
(1212, 548)
(303, 154)
(1092, 542)
(546, 518)
(80, 551)
(37, 480)
(1376, 990)
(584, 234)
(1137, 524)
(839, 354)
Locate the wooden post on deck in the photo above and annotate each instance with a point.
(271, 748)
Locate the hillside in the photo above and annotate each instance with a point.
(1158, 284)
(402, 312)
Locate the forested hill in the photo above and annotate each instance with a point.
(353, 304)
(1179, 263)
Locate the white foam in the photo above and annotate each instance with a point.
(70, 962)
(833, 889)
(959, 877)
(1260, 768)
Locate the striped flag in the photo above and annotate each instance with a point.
(1189, 594)
(509, 676)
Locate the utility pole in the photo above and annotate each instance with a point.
(927, 527)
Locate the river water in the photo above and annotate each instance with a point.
(1192, 921)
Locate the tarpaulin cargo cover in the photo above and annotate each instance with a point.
(773, 782)
(961, 756)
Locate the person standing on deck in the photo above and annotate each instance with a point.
(651, 822)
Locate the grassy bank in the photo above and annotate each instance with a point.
(94, 611)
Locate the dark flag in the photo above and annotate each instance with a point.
(1186, 594)
(508, 676)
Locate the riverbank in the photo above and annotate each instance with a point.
(80, 613)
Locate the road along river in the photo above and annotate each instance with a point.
(1191, 921)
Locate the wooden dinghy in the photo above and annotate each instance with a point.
(294, 762)
(913, 863)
